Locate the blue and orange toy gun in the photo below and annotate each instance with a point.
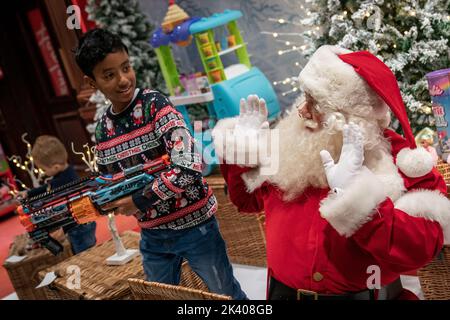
(81, 201)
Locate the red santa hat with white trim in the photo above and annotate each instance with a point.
(360, 84)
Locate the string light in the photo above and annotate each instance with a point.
(367, 14)
(288, 43)
(345, 13)
(275, 35)
(281, 21)
(28, 165)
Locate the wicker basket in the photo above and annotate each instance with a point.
(435, 277)
(144, 290)
(24, 274)
(98, 280)
(190, 279)
(243, 233)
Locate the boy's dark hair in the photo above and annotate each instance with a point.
(94, 46)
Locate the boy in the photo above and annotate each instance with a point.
(175, 212)
(50, 155)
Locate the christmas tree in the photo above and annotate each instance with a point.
(124, 18)
(410, 36)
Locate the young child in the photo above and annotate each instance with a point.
(50, 155)
(175, 212)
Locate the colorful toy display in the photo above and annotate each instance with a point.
(439, 88)
(81, 201)
(219, 87)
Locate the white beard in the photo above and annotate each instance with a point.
(299, 153)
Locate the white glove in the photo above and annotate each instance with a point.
(251, 131)
(350, 162)
(252, 117)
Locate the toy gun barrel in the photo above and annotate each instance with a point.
(81, 202)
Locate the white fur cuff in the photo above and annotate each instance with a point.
(348, 211)
(253, 179)
(242, 150)
(428, 204)
(414, 162)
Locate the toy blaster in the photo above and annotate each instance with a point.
(81, 201)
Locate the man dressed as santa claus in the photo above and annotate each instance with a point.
(353, 205)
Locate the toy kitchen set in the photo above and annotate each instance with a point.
(219, 87)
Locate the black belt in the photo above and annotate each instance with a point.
(280, 291)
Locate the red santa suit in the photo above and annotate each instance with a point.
(327, 242)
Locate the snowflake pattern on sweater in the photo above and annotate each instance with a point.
(148, 128)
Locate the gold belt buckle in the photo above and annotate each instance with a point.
(307, 292)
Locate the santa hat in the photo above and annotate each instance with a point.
(360, 84)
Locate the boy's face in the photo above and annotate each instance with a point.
(115, 78)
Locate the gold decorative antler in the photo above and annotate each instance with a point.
(88, 156)
(28, 165)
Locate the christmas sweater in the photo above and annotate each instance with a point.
(148, 128)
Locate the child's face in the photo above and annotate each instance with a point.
(115, 78)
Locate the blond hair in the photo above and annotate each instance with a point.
(49, 150)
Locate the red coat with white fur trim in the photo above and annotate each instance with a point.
(341, 236)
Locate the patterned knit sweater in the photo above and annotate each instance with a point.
(148, 128)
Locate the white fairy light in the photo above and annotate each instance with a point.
(36, 175)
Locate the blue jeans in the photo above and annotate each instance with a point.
(202, 246)
(82, 237)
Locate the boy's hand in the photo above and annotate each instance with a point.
(123, 206)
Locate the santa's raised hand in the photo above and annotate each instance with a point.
(339, 175)
(252, 116)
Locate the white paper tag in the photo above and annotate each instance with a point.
(15, 259)
(49, 278)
